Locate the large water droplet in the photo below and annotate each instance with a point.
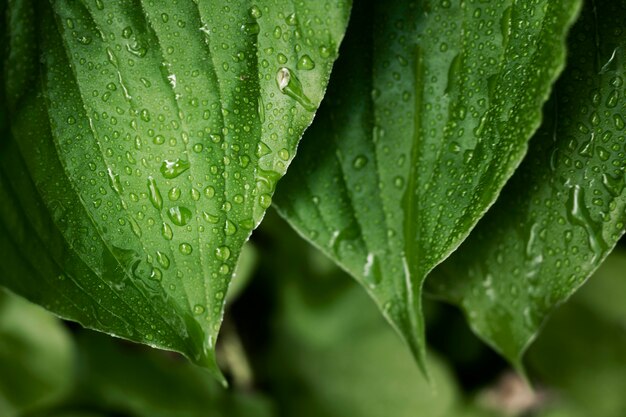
(180, 216)
(579, 215)
(222, 253)
(290, 85)
(172, 169)
(155, 194)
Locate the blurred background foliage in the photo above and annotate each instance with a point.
(302, 339)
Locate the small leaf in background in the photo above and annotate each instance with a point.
(565, 208)
(133, 381)
(244, 271)
(36, 357)
(580, 352)
(330, 353)
(47, 372)
(146, 144)
(427, 116)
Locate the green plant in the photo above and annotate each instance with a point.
(141, 143)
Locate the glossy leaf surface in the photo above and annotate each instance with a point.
(564, 209)
(147, 139)
(428, 114)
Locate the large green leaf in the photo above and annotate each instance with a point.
(427, 116)
(564, 210)
(147, 139)
(36, 357)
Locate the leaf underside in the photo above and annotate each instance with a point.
(564, 209)
(146, 142)
(427, 116)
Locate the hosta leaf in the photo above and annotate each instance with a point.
(564, 210)
(581, 343)
(147, 139)
(36, 352)
(427, 117)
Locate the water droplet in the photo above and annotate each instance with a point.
(167, 232)
(222, 253)
(290, 85)
(305, 63)
(614, 185)
(283, 154)
(163, 259)
(174, 194)
(180, 216)
(229, 228)
(185, 248)
(359, 162)
(198, 309)
(155, 194)
(371, 270)
(255, 12)
(579, 215)
(613, 99)
(172, 169)
(84, 40)
(134, 227)
(324, 51)
(209, 192)
(211, 218)
(114, 181)
(277, 32)
(262, 149)
(195, 194)
(156, 274)
(265, 201)
(292, 19)
(127, 32)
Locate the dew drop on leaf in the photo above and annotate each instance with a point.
(172, 169)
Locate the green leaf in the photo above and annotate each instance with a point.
(580, 352)
(564, 210)
(341, 359)
(606, 292)
(244, 271)
(330, 352)
(36, 357)
(146, 144)
(427, 116)
(125, 380)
